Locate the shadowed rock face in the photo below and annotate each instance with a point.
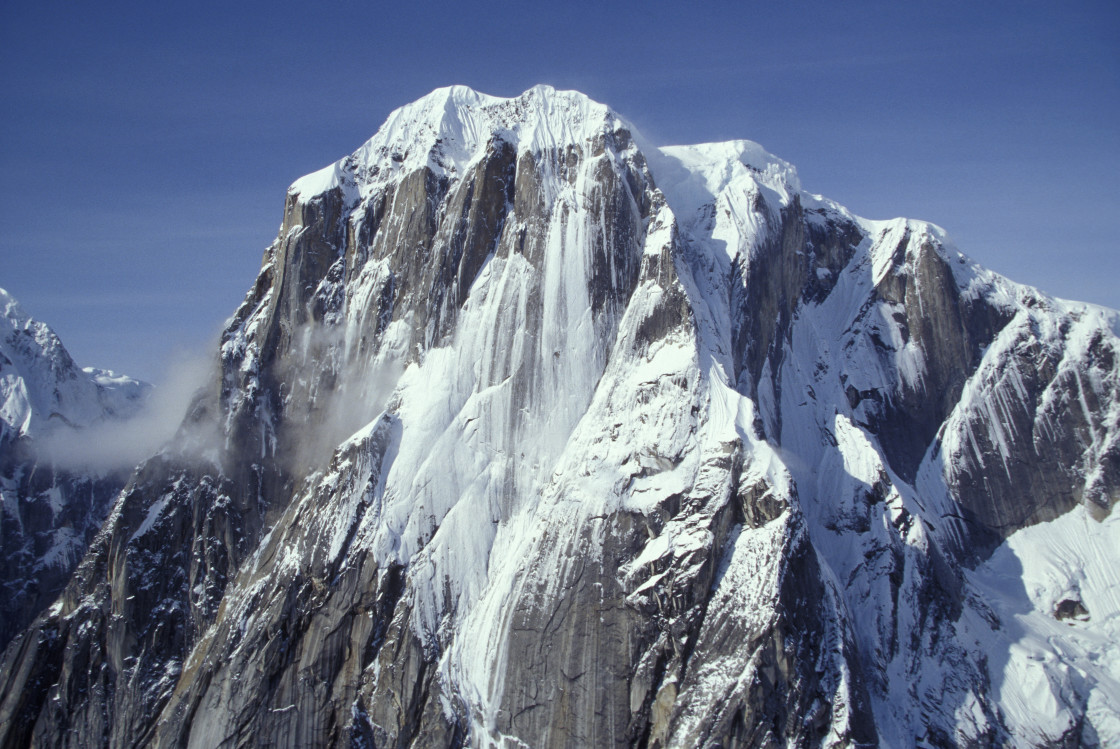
(52, 515)
(513, 442)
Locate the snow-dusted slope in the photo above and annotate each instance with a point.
(51, 506)
(529, 433)
(41, 387)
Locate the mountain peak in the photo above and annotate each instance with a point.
(41, 386)
(451, 127)
(525, 434)
(459, 94)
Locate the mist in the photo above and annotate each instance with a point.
(362, 391)
(113, 445)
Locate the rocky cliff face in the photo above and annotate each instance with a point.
(531, 434)
(52, 505)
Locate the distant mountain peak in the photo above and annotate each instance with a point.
(41, 386)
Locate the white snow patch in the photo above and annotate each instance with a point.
(1040, 664)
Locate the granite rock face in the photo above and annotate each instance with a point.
(529, 433)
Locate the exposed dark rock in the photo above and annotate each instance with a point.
(1071, 608)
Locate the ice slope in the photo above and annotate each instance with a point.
(530, 433)
(1052, 663)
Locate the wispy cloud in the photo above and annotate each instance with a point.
(122, 444)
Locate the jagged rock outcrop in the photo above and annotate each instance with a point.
(529, 433)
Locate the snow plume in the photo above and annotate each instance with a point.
(335, 392)
(361, 395)
(116, 444)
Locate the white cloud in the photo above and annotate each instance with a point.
(122, 444)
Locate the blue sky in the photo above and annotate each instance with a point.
(145, 151)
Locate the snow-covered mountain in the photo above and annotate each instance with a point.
(51, 506)
(532, 434)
